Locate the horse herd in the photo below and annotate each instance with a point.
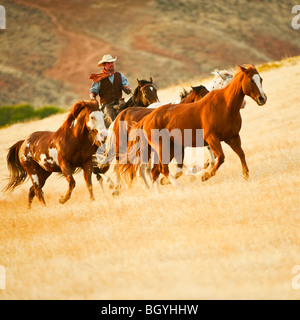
(128, 136)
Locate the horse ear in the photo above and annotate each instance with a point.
(151, 80)
(77, 108)
(139, 82)
(242, 68)
(221, 75)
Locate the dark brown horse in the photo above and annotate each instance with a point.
(116, 143)
(144, 95)
(65, 150)
(218, 114)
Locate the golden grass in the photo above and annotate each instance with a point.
(223, 239)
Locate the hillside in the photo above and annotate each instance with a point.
(49, 48)
(223, 239)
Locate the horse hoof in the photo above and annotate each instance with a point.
(205, 176)
(246, 176)
(192, 178)
(164, 181)
(206, 164)
(62, 200)
(116, 193)
(178, 174)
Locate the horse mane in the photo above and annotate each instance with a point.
(185, 93)
(224, 72)
(73, 114)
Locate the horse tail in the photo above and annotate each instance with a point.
(17, 174)
(137, 152)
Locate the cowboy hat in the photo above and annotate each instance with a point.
(106, 58)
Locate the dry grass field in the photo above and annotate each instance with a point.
(223, 239)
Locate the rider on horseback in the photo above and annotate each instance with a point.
(108, 84)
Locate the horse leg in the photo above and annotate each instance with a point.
(38, 178)
(212, 159)
(236, 146)
(179, 156)
(143, 169)
(215, 145)
(87, 174)
(101, 175)
(31, 195)
(117, 185)
(108, 180)
(164, 167)
(67, 172)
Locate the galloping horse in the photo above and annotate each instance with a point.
(218, 114)
(115, 148)
(65, 150)
(144, 95)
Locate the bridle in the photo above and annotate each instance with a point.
(143, 92)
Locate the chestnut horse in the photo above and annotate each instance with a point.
(115, 148)
(65, 150)
(144, 95)
(218, 114)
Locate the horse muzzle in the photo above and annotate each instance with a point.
(261, 100)
(101, 135)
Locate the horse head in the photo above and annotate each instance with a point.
(195, 94)
(252, 84)
(145, 93)
(94, 121)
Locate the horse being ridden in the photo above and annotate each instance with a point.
(70, 147)
(218, 114)
(144, 95)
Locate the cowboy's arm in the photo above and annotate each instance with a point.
(94, 91)
(125, 85)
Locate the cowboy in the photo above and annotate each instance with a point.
(109, 83)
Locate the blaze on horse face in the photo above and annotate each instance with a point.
(253, 85)
(95, 124)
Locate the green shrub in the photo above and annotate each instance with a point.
(25, 112)
(47, 111)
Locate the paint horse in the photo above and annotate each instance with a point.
(218, 114)
(65, 150)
